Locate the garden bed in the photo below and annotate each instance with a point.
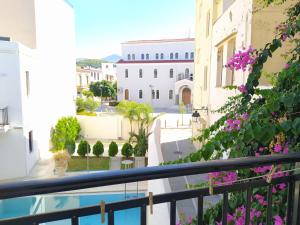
(80, 163)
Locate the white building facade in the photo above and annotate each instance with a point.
(37, 79)
(158, 72)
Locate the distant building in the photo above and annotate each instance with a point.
(88, 75)
(158, 72)
(222, 28)
(37, 79)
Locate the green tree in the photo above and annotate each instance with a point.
(87, 93)
(79, 104)
(83, 148)
(98, 149)
(103, 89)
(127, 150)
(113, 149)
(66, 131)
(90, 105)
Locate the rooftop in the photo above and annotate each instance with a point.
(159, 41)
(154, 61)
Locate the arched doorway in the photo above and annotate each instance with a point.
(186, 96)
(126, 94)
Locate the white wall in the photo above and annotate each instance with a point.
(109, 69)
(163, 82)
(240, 26)
(160, 186)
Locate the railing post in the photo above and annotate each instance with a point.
(296, 204)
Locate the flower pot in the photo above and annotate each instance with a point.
(139, 162)
(61, 160)
(115, 163)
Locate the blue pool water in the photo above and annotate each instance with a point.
(17, 207)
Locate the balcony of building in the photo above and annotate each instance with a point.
(148, 207)
(4, 124)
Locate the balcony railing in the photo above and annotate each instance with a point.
(28, 188)
(4, 116)
(183, 76)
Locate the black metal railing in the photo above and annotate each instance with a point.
(4, 116)
(35, 187)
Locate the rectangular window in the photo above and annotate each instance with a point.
(171, 73)
(219, 67)
(192, 55)
(30, 141)
(27, 83)
(205, 78)
(140, 94)
(155, 73)
(170, 94)
(156, 56)
(157, 94)
(147, 56)
(230, 53)
(153, 94)
(186, 55)
(80, 80)
(126, 73)
(207, 23)
(176, 55)
(140, 73)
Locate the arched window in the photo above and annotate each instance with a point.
(155, 73)
(186, 55)
(161, 55)
(142, 56)
(176, 55)
(171, 73)
(128, 57)
(147, 56)
(140, 94)
(187, 73)
(133, 56)
(171, 55)
(192, 55)
(126, 73)
(156, 56)
(140, 73)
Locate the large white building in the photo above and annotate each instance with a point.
(37, 79)
(158, 72)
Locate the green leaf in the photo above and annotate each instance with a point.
(296, 126)
(286, 125)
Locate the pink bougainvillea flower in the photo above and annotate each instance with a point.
(282, 186)
(283, 37)
(243, 89)
(245, 116)
(261, 149)
(190, 220)
(277, 148)
(286, 150)
(287, 66)
(278, 220)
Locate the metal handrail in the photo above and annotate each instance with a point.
(99, 179)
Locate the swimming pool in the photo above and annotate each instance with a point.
(18, 207)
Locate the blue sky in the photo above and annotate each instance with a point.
(101, 25)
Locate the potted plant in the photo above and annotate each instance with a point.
(61, 159)
(127, 150)
(141, 147)
(98, 149)
(83, 148)
(115, 162)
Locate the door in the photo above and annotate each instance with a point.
(126, 94)
(186, 96)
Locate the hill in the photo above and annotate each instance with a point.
(96, 63)
(112, 58)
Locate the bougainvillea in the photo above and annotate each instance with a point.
(257, 122)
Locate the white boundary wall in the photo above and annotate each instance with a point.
(160, 186)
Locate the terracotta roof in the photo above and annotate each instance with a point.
(159, 41)
(154, 61)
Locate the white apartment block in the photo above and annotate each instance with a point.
(86, 76)
(37, 79)
(158, 72)
(109, 71)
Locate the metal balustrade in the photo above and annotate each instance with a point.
(4, 116)
(35, 187)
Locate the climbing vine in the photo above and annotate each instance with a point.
(256, 122)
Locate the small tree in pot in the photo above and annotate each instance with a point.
(127, 150)
(83, 148)
(113, 149)
(98, 149)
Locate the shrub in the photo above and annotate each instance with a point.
(127, 150)
(70, 147)
(79, 104)
(83, 148)
(65, 131)
(98, 149)
(113, 149)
